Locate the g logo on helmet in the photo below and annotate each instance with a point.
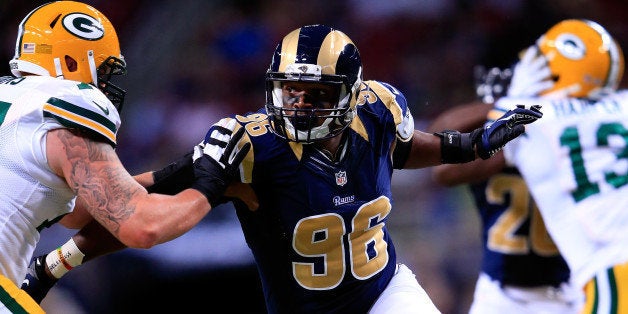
(83, 26)
(571, 46)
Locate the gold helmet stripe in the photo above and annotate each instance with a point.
(289, 49)
(328, 60)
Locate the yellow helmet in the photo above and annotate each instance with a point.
(73, 41)
(584, 59)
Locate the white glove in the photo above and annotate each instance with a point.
(531, 75)
(216, 141)
(217, 160)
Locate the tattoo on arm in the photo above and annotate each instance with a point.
(101, 184)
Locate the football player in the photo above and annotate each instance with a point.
(314, 192)
(58, 123)
(573, 162)
(522, 271)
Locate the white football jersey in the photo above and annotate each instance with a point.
(31, 195)
(575, 161)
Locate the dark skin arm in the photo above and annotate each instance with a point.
(465, 118)
(106, 243)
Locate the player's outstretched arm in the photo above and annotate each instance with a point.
(453, 147)
(137, 218)
(93, 240)
(484, 142)
(465, 118)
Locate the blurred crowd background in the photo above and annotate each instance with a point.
(191, 62)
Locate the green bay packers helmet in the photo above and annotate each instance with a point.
(584, 59)
(72, 41)
(317, 54)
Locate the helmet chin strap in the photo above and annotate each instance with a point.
(92, 66)
(315, 133)
(58, 71)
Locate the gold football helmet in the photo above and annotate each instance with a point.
(584, 59)
(72, 41)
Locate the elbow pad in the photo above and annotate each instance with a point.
(401, 153)
(173, 178)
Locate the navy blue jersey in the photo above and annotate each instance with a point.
(517, 248)
(317, 228)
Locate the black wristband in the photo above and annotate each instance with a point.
(212, 189)
(175, 166)
(210, 180)
(456, 147)
(173, 178)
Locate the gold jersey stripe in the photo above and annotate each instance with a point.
(297, 149)
(357, 126)
(70, 116)
(388, 99)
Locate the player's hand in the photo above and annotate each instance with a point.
(217, 159)
(37, 282)
(531, 75)
(491, 138)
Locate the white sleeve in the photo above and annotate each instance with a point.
(83, 106)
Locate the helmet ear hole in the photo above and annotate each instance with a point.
(71, 64)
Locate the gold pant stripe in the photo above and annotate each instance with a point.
(590, 292)
(16, 299)
(608, 293)
(621, 281)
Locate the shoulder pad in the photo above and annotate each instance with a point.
(383, 97)
(82, 106)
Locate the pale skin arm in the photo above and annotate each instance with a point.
(93, 239)
(115, 199)
(80, 217)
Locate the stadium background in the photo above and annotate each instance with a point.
(192, 61)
